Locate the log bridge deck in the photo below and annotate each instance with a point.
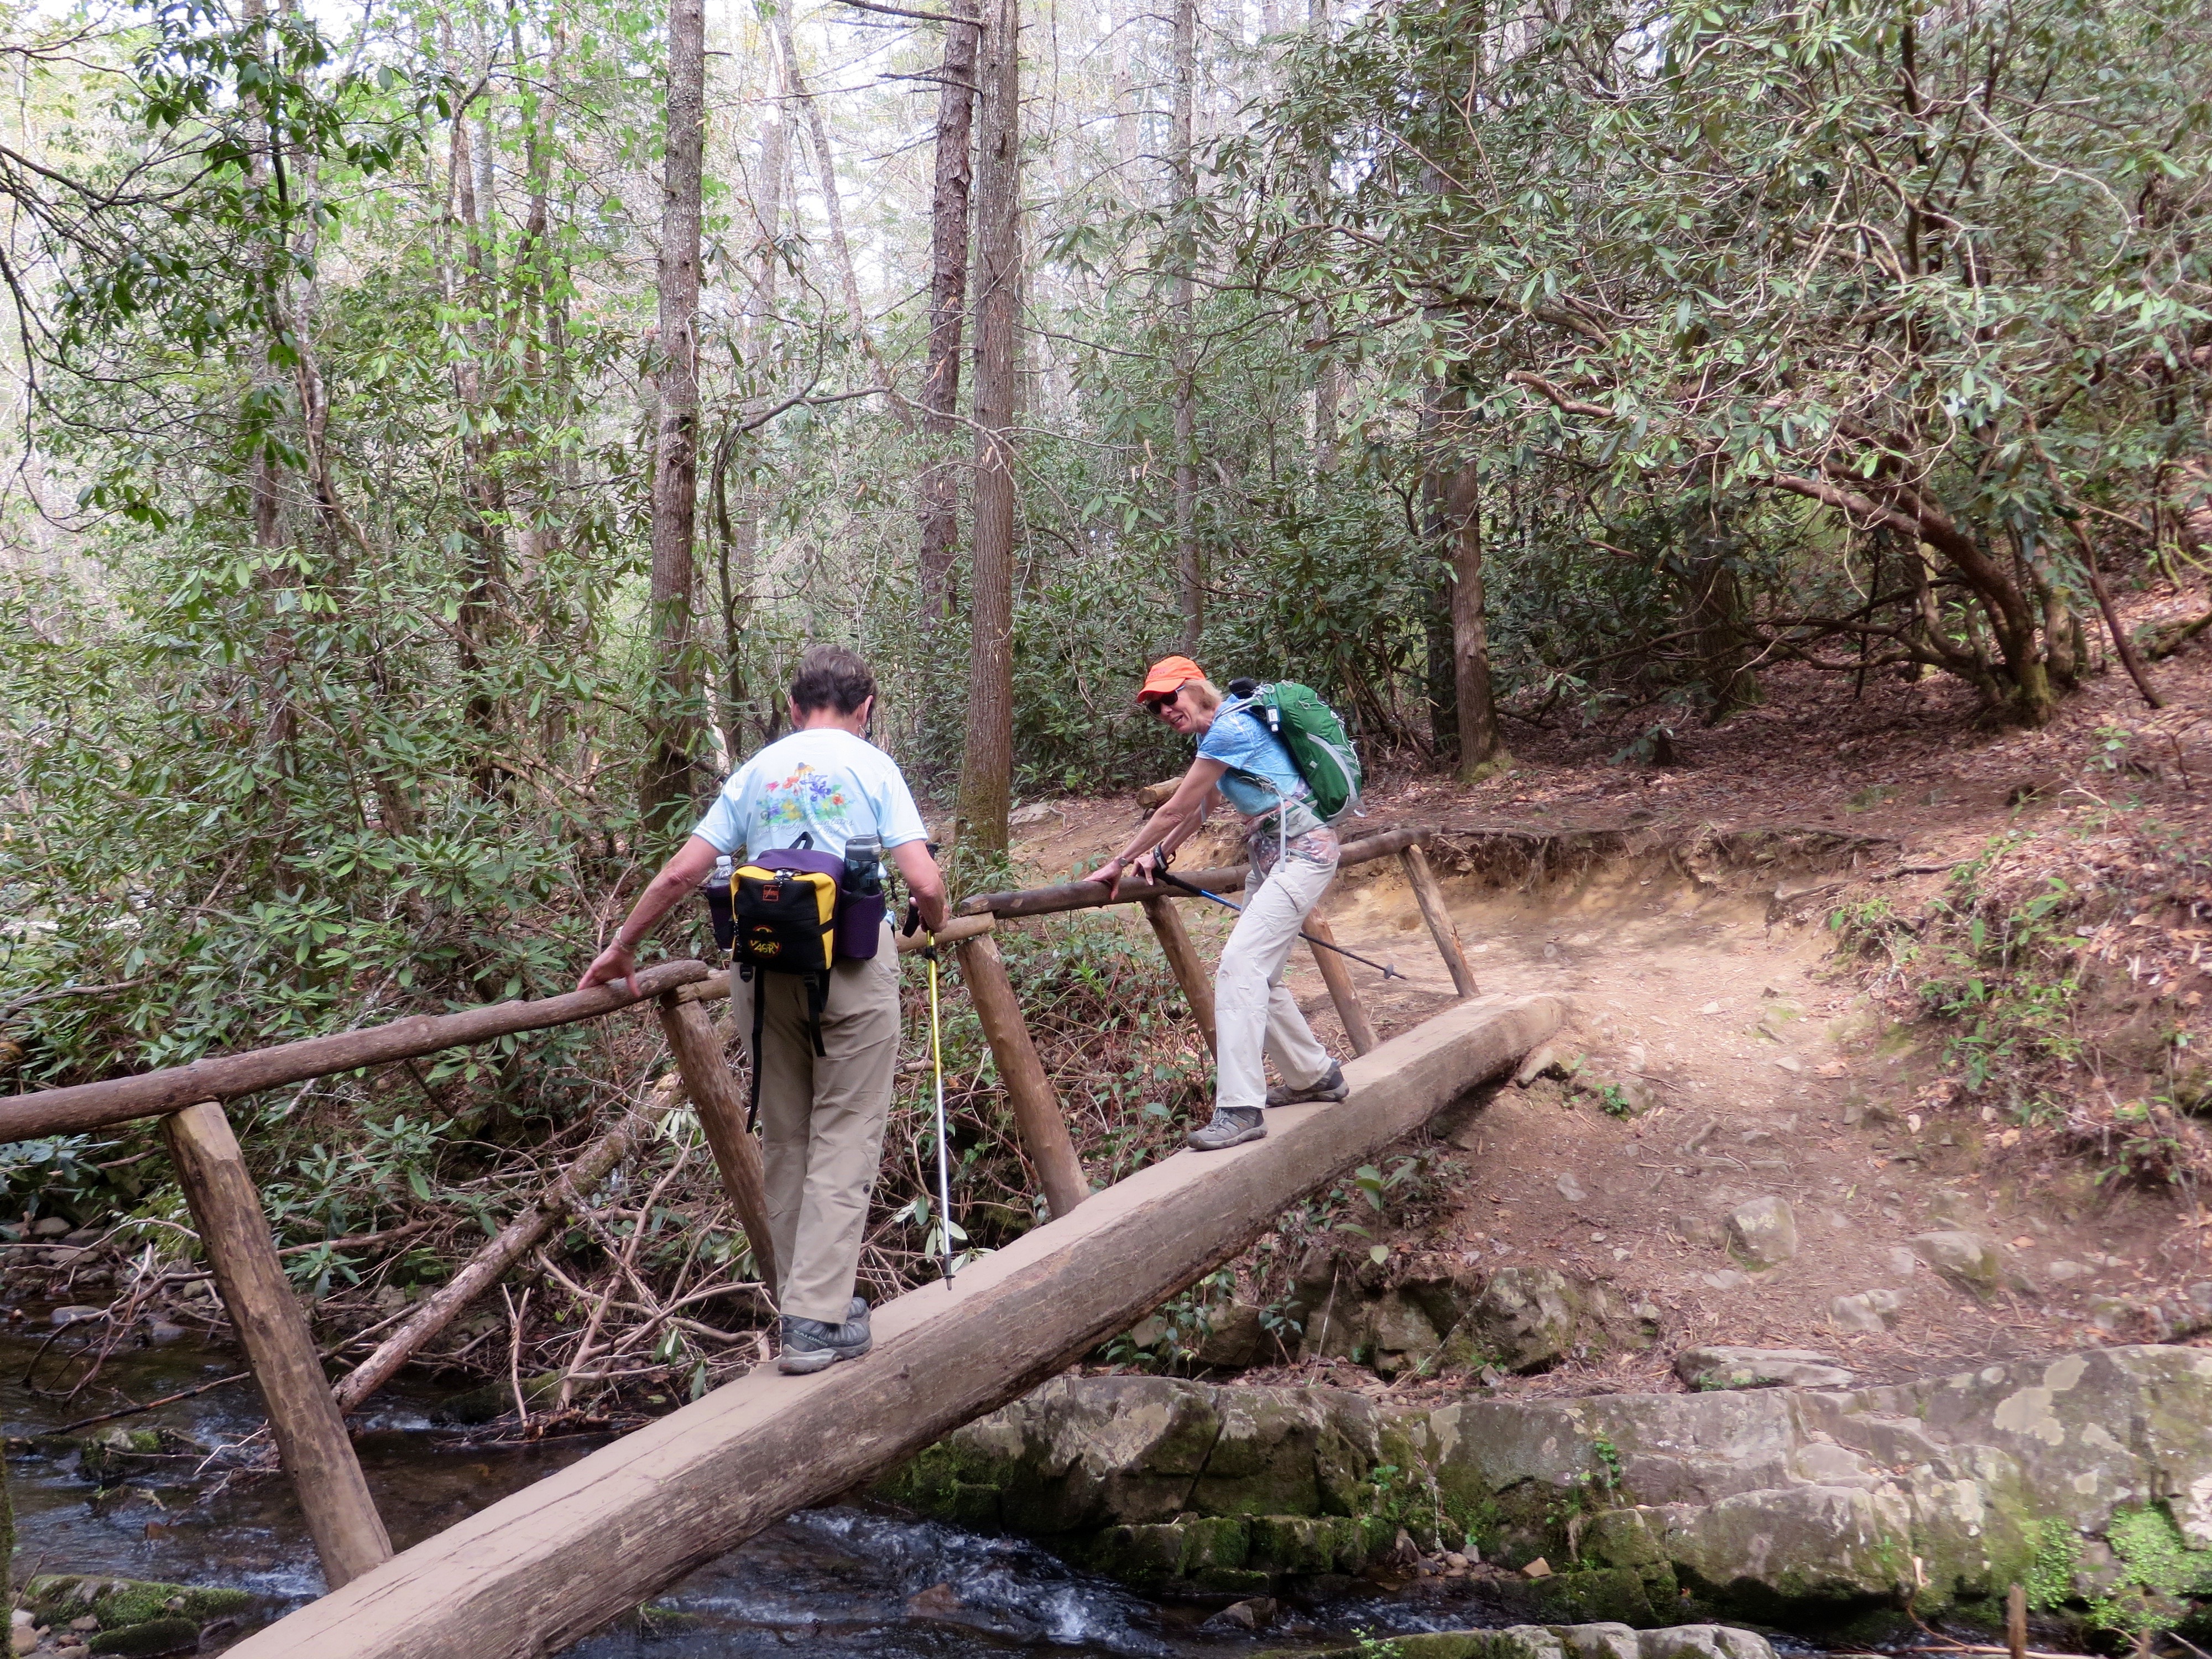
(545, 1567)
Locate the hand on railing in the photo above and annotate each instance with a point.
(616, 962)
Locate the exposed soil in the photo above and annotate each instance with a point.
(1685, 909)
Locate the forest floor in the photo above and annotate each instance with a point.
(1687, 911)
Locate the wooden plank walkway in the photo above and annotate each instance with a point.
(547, 1566)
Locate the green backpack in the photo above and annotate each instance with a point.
(1320, 747)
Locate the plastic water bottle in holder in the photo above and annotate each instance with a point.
(864, 865)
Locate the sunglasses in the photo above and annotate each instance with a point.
(1161, 705)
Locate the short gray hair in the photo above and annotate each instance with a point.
(830, 676)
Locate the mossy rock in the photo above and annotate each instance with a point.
(121, 1603)
(1598, 1596)
(1216, 1542)
(941, 1480)
(1145, 1557)
(108, 1456)
(167, 1635)
(664, 1619)
(1430, 1644)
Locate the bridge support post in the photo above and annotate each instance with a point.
(1430, 894)
(1036, 1108)
(1184, 962)
(310, 1432)
(1338, 978)
(721, 1110)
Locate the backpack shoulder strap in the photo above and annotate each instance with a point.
(760, 1022)
(817, 999)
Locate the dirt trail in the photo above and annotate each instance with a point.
(1724, 1059)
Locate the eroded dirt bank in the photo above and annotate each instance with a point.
(1840, 1266)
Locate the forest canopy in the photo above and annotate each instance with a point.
(441, 428)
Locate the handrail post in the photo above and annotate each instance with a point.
(1431, 896)
(721, 1111)
(1036, 1108)
(279, 1351)
(1338, 978)
(1183, 961)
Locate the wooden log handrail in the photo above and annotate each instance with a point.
(225, 1077)
(1095, 895)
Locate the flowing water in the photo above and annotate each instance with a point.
(845, 1579)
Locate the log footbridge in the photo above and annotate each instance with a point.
(549, 1564)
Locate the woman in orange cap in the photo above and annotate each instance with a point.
(1256, 1016)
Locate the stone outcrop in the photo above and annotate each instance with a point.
(1443, 1317)
(1760, 1368)
(1598, 1641)
(1821, 1510)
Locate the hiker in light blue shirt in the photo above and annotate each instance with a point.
(1255, 1018)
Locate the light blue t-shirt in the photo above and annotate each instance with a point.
(824, 782)
(1261, 773)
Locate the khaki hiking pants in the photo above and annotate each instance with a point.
(1255, 1018)
(822, 1121)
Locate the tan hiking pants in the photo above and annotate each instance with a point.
(822, 1121)
(1255, 1018)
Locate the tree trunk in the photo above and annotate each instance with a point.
(948, 310)
(1125, 17)
(532, 263)
(833, 207)
(987, 765)
(273, 667)
(1189, 577)
(738, 529)
(1328, 377)
(1479, 740)
(666, 788)
(1439, 682)
(477, 619)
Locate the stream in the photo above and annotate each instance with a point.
(844, 1579)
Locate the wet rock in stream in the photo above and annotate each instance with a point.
(1594, 1641)
(131, 1616)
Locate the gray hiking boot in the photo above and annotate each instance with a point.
(814, 1345)
(1232, 1126)
(1332, 1087)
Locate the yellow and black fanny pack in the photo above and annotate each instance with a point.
(786, 919)
(783, 914)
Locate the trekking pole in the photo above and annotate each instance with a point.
(1382, 968)
(937, 1067)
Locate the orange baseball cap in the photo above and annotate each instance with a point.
(1167, 676)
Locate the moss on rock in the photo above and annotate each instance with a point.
(165, 1635)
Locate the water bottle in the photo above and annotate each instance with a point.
(864, 865)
